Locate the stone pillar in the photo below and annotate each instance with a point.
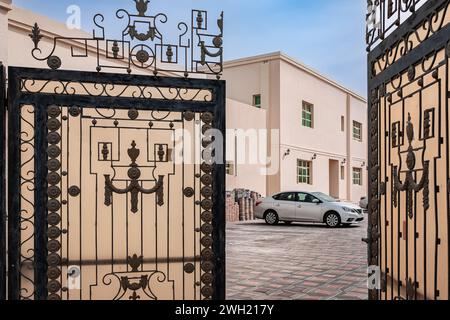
(5, 7)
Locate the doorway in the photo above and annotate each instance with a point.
(334, 178)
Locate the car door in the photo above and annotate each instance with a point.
(286, 206)
(307, 209)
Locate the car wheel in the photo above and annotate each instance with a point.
(271, 218)
(333, 220)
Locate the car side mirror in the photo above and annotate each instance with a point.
(317, 201)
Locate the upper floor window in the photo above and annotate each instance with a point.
(357, 176)
(304, 171)
(357, 131)
(230, 168)
(342, 123)
(307, 115)
(257, 100)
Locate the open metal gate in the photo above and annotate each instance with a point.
(105, 203)
(409, 148)
(117, 181)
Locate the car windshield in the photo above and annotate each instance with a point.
(324, 197)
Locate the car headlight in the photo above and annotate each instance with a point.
(346, 209)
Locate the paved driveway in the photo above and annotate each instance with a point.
(295, 262)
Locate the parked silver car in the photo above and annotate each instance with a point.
(315, 207)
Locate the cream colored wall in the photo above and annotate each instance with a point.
(244, 117)
(358, 149)
(5, 6)
(261, 77)
(283, 86)
(325, 139)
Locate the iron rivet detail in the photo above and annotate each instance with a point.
(74, 191)
(207, 117)
(53, 286)
(53, 111)
(53, 124)
(206, 179)
(53, 205)
(189, 192)
(53, 192)
(54, 138)
(207, 291)
(189, 268)
(53, 246)
(206, 216)
(189, 116)
(54, 165)
(74, 111)
(53, 219)
(54, 151)
(53, 273)
(207, 278)
(411, 73)
(206, 241)
(207, 204)
(54, 259)
(53, 232)
(206, 128)
(53, 178)
(207, 266)
(133, 114)
(207, 229)
(207, 192)
(54, 62)
(206, 168)
(207, 254)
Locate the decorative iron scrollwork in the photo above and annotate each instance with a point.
(143, 45)
(134, 188)
(410, 184)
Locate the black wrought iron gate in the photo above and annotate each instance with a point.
(2, 183)
(409, 149)
(105, 203)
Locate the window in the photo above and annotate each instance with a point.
(306, 198)
(257, 100)
(230, 168)
(342, 123)
(342, 173)
(289, 196)
(304, 172)
(357, 131)
(357, 176)
(307, 115)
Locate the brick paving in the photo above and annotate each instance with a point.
(297, 262)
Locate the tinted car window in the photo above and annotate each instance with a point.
(287, 197)
(305, 197)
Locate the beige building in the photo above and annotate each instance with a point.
(322, 140)
(320, 127)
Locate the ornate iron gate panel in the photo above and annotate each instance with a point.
(409, 149)
(2, 183)
(114, 193)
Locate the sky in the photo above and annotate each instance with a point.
(327, 35)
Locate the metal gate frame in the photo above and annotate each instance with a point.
(2, 183)
(18, 97)
(379, 44)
